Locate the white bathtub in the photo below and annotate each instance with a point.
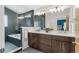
(16, 36)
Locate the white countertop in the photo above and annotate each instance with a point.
(58, 33)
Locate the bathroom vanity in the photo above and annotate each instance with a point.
(53, 42)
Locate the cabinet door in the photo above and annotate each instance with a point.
(32, 40)
(61, 45)
(44, 43)
(66, 47)
(44, 48)
(56, 46)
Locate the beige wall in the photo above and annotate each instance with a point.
(77, 30)
(2, 37)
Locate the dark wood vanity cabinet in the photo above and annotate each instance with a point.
(50, 43)
(33, 40)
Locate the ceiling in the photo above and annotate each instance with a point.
(23, 8)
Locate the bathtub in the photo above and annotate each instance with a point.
(15, 39)
(16, 36)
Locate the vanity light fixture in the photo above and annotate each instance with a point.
(59, 9)
(63, 8)
(42, 11)
(52, 10)
(38, 13)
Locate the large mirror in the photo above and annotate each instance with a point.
(39, 21)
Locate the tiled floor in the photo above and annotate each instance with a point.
(30, 50)
(9, 47)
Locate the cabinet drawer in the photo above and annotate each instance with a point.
(67, 47)
(61, 46)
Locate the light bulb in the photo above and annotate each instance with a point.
(62, 8)
(51, 10)
(43, 13)
(58, 9)
(55, 10)
(38, 13)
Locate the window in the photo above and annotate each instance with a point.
(6, 21)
